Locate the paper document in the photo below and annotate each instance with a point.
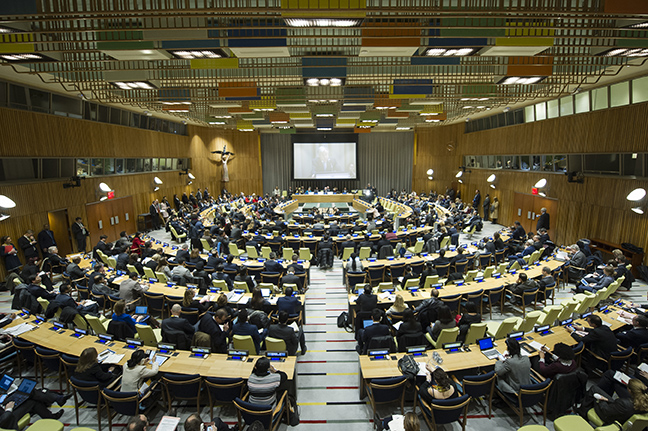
(234, 297)
(273, 301)
(621, 377)
(397, 423)
(536, 345)
(422, 369)
(643, 367)
(111, 358)
(397, 325)
(244, 300)
(168, 423)
(18, 330)
(353, 298)
(606, 323)
(625, 320)
(294, 326)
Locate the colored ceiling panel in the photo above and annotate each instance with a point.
(392, 113)
(300, 115)
(407, 107)
(215, 63)
(626, 6)
(290, 96)
(632, 43)
(432, 109)
(264, 36)
(18, 7)
(410, 88)
(239, 90)
(362, 130)
(324, 8)
(479, 91)
(530, 66)
(174, 95)
(16, 48)
(120, 35)
(472, 27)
(278, 117)
(17, 37)
(383, 33)
(244, 125)
(359, 95)
(241, 110)
(287, 131)
(119, 46)
(313, 67)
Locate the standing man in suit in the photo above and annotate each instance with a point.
(80, 233)
(28, 244)
(476, 201)
(154, 210)
(486, 206)
(543, 220)
(46, 238)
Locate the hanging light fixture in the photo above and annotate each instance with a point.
(636, 195)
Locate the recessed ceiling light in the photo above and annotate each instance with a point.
(192, 54)
(217, 123)
(625, 52)
(324, 128)
(330, 82)
(638, 210)
(134, 85)
(522, 80)
(222, 116)
(5, 202)
(449, 52)
(24, 58)
(639, 25)
(403, 128)
(176, 103)
(322, 22)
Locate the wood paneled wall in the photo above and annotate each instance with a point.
(28, 134)
(595, 209)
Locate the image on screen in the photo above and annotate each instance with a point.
(324, 160)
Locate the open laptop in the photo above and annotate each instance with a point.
(487, 348)
(141, 309)
(22, 393)
(5, 384)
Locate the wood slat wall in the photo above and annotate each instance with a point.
(28, 134)
(595, 209)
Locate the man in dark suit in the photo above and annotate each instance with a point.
(46, 238)
(242, 327)
(284, 332)
(217, 327)
(271, 265)
(519, 234)
(220, 275)
(103, 246)
(28, 244)
(546, 279)
(65, 300)
(298, 267)
(543, 220)
(154, 210)
(476, 201)
(36, 290)
(599, 339)
(74, 270)
(215, 260)
(80, 233)
(322, 163)
(176, 324)
(376, 329)
(366, 301)
(288, 303)
(348, 243)
(578, 260)
(183, 253)
(441, 260)
(497, 240)
(636, 336)
(291, 278)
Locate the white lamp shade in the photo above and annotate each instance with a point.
(492, 186)
(459, 174)
(491, 178)
(461, 181)
(541, 183)
(638, 210)
(634, 196)
(4, 217)
(104, 187)
(157, 180)
(156, 189)
(191, 176)
(5, 202)
(430, 171)
(430, 177)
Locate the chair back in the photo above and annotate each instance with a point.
(549, 315)
(485, 260)
(275, 344)
(407, 340)
(488, 271)
(251, 252)
(147, 335)
(430, 280)
(265, 252)
(383, 342)
(305, 252)
(162, 278)
(452, 302)
(191, 314)
(385, 286)
(475, 332)
(479, 385)
(529, 297)
(154, 301)
(499, 255)
(24, 349)
(619, 359)
(254, 412)
(412, 282)
(83, 291)
(87, 390)
(244, 342)
(535, 393)
(445, 411)
(270, 277)
(182, 387)
(396, 270)
(442, 270)
(505, 327)
(124, 403)
(223, 390)
(460, 266)
(95, 324)
(470, 275)
(80, 322)
(568, 307)
(529, 321)
(501, 268)
(636, 422)
(148, 272)
(355, 278)
(365, 253)
(346, 253)
(48, 358)
(387, 390)
(376, 273)
(447, 336)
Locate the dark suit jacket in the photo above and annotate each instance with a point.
(223, 276)
(77, 231)
(291, 279)
(45, 239)
(299, 268)
(248, 329)
(74, 271)
(543, 222)
(286, 333)
(289, 304)
(634, 337)
(182, 254)
(218, 337)
(601, 341)
(27, 248)
(177, 324)
(375, 330)
(39, 292)
(519, 233)
(96, 374)
(272, 266)
(366, 302)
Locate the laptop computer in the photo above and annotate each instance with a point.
(22, 393)
(487, 348)
(5, 383)
(141, 309)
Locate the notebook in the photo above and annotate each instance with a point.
(487, 348)
(22, 393)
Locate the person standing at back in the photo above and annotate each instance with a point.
(543, 220)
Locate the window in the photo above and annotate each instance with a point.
(109, 166)
(525, 163)
(89, 111)
(632, 164)
(529, 114)
(537, 163)
(17, 97)
(640, 90)
(541, 111)
(582, 102)
(131, 166)
(39, 100)
(50, 168)
(66, 106)
(119, 166)
(154, 164)
(82, 169)
(553, 108)
(560, 163)
(602, 163)
(97, 166)
(620, 94)
(566, 106)
(599, 99)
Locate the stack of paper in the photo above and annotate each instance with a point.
(111, 358)
(621, 377)
(18, 330)
(168, 423)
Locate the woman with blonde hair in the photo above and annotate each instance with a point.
(409, 422)
(188, 301)
(399, 305)
(609, 410)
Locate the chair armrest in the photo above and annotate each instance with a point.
(537, 376)
(458, 383)
(115, 385)
(596, 356)
(280, 402)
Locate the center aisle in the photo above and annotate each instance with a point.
(327, 376)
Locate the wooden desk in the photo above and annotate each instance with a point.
(216, 365)
(322, 198)
(468, 360)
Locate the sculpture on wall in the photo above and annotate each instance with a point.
(226, 156)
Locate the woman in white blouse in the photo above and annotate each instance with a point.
(136, 372)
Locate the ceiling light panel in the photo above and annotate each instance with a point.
(323, 22)
(449, 52)
(134, 85)
(192, 54)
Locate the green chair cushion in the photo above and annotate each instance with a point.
(82, 429)
(46, 425)
(594, 418)
(533, 428)
(24, 421)
(572, 423)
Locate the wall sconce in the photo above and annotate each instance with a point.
(637, 195)
(5, 202)
(156, 184)
(537, 188)
(429, 174)
(104, 189)
(492, 180)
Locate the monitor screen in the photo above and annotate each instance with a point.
(5, 382)
(319, 157)
(265, 292)
(140, 309)
(366, 323)
(26, 386)
(485, 343)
